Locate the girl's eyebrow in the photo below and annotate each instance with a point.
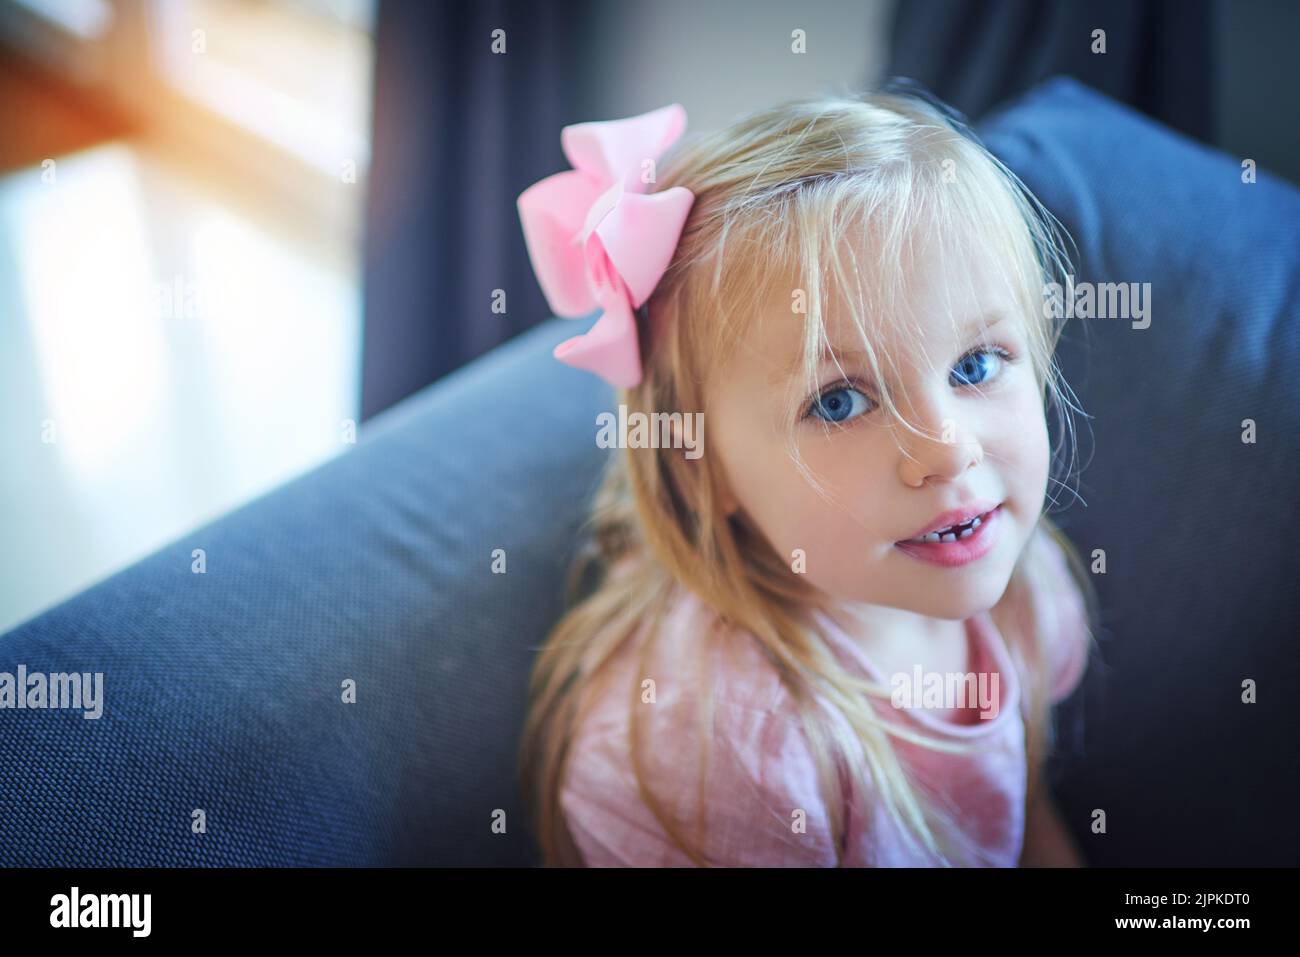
(783, 374)
(979, 325)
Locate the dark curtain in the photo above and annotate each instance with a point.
(459, 132)
(974, 54)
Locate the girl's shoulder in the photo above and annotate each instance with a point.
(1055, 608)
(686, 654)
(717, 737)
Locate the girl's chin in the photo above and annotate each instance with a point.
(952, 602)
(959, 601)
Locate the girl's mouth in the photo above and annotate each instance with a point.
(957, 544)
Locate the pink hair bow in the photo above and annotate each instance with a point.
(596, 238)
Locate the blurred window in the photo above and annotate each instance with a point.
(273, 91)
(292, 72)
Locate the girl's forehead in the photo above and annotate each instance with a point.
(906, 298)
(934, 290)
(775, 361)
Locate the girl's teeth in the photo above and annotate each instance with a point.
(951, 534)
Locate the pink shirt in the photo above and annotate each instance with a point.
(761, 768)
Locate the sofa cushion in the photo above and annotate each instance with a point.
(223, 690)
(1198, 594)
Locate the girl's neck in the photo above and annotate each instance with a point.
(896, 639)
(862, 618)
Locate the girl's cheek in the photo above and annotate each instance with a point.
(1025, 440)
(853, 475)
(796, 517)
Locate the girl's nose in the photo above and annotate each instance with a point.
(942, 453)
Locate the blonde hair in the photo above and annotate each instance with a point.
(782, 187)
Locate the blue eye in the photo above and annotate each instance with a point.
(978, 366)
(840, 404)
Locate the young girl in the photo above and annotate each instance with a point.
(833, 638)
